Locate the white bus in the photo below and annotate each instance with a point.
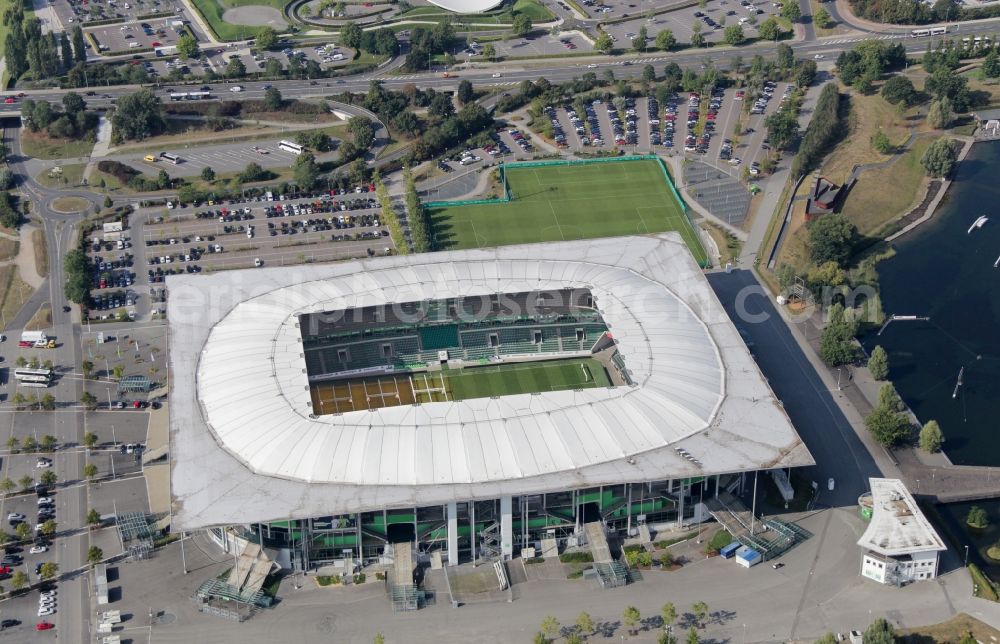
(32, 383)
(938, 31)
(33, 375)
(172, 158)
(288, 146)
(919, 33)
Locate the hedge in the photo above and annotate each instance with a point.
(824, 129)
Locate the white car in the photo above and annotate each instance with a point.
(236, 88)
(830, 484)
(818, 57)
(257, 262)
(592, 66)
(46, 610)
(43, 462)
(497, 75)
(48, 594)
(37, 550)
(45, 501)
(14, 516)
(735, 161)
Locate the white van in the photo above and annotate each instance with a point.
(134, 45)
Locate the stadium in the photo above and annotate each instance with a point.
(474, 402)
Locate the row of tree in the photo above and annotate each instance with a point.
(416, 215)
(29, 52)
(390, 218)
(73, 121)
(584, 626)
(825, 128)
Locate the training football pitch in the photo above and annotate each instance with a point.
(458, 384)
(562, 202)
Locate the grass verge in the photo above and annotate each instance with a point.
(212, 12)
(69, 176)
(39, 145)
(15, 292)
(42, 319)
(41, 251)
(952, 630)
(8, 248)
(983, 586)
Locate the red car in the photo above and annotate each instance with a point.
(44, 626)
(9, 100)
(5, 570)
(157, 44)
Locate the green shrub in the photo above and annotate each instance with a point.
(359, 578)
(576, 557)
(534, 560)
(328, 580)
(719, 540)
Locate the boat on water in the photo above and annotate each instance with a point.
(978, 223)
(996, 263)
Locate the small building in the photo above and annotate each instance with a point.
(748, 557)
(900, 545)
(989, 123)
(824, 197)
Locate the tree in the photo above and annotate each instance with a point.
(521, 25)
(23, 531)
(692, 636)
(888, 427)
(236, 68)
(108, 202)
(604, 44)
(88, 400)
(931, 437)
(831, 238)
(550, 626)
(697, 38)
(939, 159)
(836, 344)
(208, 174)
(267, 37)
(49, 528)
(305, 170)
(878, 363)
(769, 29)
(187, 47)
(272, 99)
(90, 471)
(95, 555)
(48, 478)
(29, 443)
(821, 18)
(786, 56)
(584, 623)
(881, 142)
(734, 35)
(89, 439)
(790, 11)
(13, 443)
(137, 116)
(640, 40)
(19, 581)
(48, 570)
(665, 40)
(541, 639)
(991, 64)
(93, 517)
(6, 485)
(631, 618)
(898, 89)
(669, 614)
(880, 632)
(118, 371)
(351, 35)
(253, 172)
(806, 73)
(489, 51)
(273, 68)
(79, 47)
(939, 114)
(977, 517)
(700, 610)
(21, 361)
(465, 92)
(73, 103)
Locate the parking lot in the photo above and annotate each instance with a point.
(537, 45)
(680, 22)
(231, 157)
(139, 34)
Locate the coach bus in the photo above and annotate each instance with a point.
(288, 146)
(190, 96)
(172, 158)
(919, 33)
(25, 375)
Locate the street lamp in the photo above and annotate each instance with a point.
(966, 556)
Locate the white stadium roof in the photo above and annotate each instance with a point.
(897, 527)
(245, 447)
(467, 6)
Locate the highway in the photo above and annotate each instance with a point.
(513, 72)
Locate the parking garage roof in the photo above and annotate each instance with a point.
(245, 446)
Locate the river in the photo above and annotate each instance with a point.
(942, 271)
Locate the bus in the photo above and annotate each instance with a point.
(24, 375)
(32, 383)
(178, 96)
(172, 158)
(938, 31)
(198, 96)
(288, 146)
(919, 33)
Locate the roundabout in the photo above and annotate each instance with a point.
(69, 205)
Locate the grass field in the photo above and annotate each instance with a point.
(458, 384)
(212, 12)
(563, 202)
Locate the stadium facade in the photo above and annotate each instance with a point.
(467, 6)
(474, 401)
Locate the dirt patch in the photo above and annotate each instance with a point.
(255, 16)
(14, 292)
(950, 631)
(8, 248)
(70, 204)
(41, 252)
(42, 319)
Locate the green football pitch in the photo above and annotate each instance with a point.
(563, 202)
(525, 377)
